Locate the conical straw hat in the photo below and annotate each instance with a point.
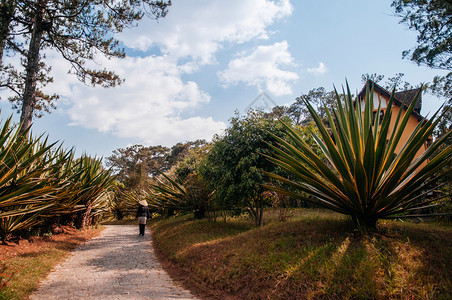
(143, 202)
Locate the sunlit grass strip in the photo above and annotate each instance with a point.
(314, 256)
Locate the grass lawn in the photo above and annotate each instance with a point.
(316, 254)
(26, 263)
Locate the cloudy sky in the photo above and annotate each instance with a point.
(187, 74)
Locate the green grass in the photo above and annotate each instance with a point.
(316, 254)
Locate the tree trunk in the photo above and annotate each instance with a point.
(32, 68)
(119, 215)
(85, 220)
(259, 211)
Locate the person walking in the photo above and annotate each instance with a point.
(142, 215)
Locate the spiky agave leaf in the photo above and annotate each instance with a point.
(170, 195)
(92, 184)
(39, 181)
(24, 191)
(361, 175)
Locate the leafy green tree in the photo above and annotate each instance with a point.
(78, 30)
(299, 112)
(279, 112)
(191, 162)
(181, 188)
(233, 166)
(179, 151)
(432, 19)
(136, 164)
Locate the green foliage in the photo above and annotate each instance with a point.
(23, 194)
(233, 166)
(92, 184)
(432, 19)
(123, 202)
(135, 164)
(138, 168)
(191, 162)
(317, 97)
(361, 175)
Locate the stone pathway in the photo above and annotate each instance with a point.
(118, 264)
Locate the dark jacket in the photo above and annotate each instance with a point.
(143, 211)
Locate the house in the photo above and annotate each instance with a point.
(402, 100)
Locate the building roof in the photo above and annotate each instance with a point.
(404, 98)
(408, 96)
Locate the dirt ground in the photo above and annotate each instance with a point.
(67, 240)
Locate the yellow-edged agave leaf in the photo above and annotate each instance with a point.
(39, 181)
(24, 191)
(175, 195)
(362, 175)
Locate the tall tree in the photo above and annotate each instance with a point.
(432, 19)
(299, 112)
(79, 30)
(179, 151)
(391, 83)
(6, 15)
(135, 164)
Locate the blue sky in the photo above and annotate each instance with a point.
(187, 74)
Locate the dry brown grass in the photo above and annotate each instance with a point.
(29, 261)
(316, 255)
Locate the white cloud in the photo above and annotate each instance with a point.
(320, 70)
(146, 106)
(153, 103)
(262, 68)
(149, 105)
(197, 29)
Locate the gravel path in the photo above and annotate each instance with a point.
(118, 264)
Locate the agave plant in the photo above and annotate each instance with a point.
(38, 182)
(171, 195)
(176, 195)
(93, 185)
(362, 175)
(123, 202)
(24, 191)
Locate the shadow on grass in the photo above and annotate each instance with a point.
(309, 258)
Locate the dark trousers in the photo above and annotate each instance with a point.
(142, 227)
